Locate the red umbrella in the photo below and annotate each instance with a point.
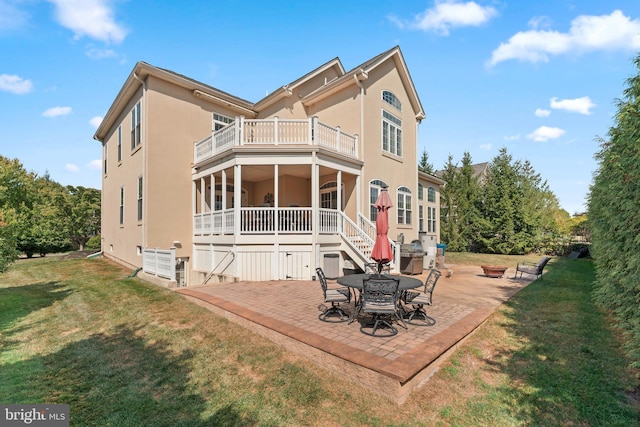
(382, 248)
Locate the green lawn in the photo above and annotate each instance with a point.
(122, 352)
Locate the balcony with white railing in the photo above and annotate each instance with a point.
(276, 132)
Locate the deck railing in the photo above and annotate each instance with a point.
(276, 131)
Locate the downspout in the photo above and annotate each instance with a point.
(145, 142)
(364, 76)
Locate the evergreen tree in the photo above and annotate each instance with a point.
(614, 220)
(424, 165)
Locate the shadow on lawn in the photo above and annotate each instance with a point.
(17, 302)
(118, 379)
(569, 368)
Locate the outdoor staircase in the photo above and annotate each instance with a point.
(358, 240)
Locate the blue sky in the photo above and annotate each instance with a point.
(540, 78)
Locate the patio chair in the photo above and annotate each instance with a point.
(531, 268)
(334, 296)
(380, 298)
(419, 299)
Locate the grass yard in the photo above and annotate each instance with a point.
(122, 352)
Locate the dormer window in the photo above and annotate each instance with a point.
(391, 99)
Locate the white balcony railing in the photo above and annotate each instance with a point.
(276, 132)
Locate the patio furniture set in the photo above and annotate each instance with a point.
(379, 301)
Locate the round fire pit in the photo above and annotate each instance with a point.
(493, 270)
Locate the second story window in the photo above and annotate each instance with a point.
(119, 144)
(136, 113)
(431, 195)
(220, 121)
(420, 192)
(391, 133)
(106, 153)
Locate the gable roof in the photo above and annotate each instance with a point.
(138, 75)
(361, 72)
(142, 70)
(286, 90)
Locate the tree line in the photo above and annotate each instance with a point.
(614, 218)
(504, 207)
(40, 216)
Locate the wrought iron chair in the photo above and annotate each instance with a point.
(531, 268)
(380, 298)
(419, 299)
(335, 297)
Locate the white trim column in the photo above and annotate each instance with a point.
(237, 199)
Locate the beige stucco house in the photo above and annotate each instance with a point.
(224, 188)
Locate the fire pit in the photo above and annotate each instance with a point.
(493, 270)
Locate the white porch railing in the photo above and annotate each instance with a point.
(276, 132)
(159, 262)
(255, 220)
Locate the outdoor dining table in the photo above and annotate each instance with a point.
(355, 281)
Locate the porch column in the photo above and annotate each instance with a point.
(237, 199)
(359, 197)
(339, 197)
(275, 263)
(315, 214)
(224, 193)
(276, 198)
(194, 198)
(203, 189)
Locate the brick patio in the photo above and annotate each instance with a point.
(392, 366)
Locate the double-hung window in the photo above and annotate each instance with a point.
(391, 133)
(139, 198)
(431, 219)
(404, 206)
(135, 125)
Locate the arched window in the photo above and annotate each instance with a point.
(431, 195)
(404, 206)
(374, 190)
(391, 99)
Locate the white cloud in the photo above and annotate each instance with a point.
(542, 112)
(57, 111)
(578, 105)
(15, 84)
(545, 133)
(95, 164)
(512, 137)
(486, 147)
(91, 18)
(447, 14)
(95, 121)
(95, 53)
(70, 167)
(587, 33)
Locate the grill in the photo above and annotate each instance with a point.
(412, 249)
(411, 257)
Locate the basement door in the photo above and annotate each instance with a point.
(295, 265)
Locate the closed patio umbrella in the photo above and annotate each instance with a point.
(382, 252)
